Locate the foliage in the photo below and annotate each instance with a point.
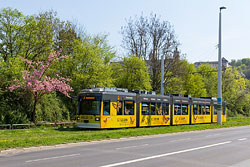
(131, 73)
(32, 38)
(11, 23)
(89, 65)
(209, 77)
(52, 109)
(188, 82)
(38, 83)
(243, 66)
(234, 92)
(193, 84)
(14, 107)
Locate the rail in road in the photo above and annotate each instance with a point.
(220, 148)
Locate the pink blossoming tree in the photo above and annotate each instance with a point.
(38, 83)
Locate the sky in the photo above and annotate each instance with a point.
(195, 22)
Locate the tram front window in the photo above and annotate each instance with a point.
(89, 107)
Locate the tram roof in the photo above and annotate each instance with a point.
(108, 90)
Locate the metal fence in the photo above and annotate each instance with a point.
(26, 126)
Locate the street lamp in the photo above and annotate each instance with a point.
(219, 90)
(162, 74)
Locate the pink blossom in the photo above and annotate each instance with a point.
(38, 83)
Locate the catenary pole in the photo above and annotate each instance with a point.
(162, 74)
(219, 90)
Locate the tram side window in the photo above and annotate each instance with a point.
(145, 108)
(195, 109)
(165, 108)
(203, 110)
(177, 109)
(106, 107)
(199, 110)
(215, 110)
(152, 108)
(158, 109)
(207, 110)
(129, 108)
(119, 107)
(184, 109)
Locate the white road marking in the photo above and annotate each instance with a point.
(242, 139)
(131, 147)
(167, 154)
(43, 159)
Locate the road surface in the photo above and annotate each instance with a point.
(227, 147)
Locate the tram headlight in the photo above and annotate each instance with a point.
(97, 119)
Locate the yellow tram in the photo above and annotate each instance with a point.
(107, 107)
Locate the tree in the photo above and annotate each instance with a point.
(14, 107)
(38, 83)
(149, 39)
(234, 91)
(11, 22)
(188, 83)
(89, 64)
(131, 73)
(209, 77)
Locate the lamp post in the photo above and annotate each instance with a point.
(219, 90)
(162, 74)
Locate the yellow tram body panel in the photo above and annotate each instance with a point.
(153, 120)
(88, 121)
(180, 119)
(117, 121)
(224, 118)
(204, 118)
(201, 119)
(224, 114)
(214, 118)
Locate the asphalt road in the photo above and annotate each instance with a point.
(229, 147)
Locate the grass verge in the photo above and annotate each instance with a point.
(48, 136)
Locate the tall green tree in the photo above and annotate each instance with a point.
(89, 63)
(193, 84)
(11, 23)
(234, 91)
(131, 73)
(209, 77)
(188, 82)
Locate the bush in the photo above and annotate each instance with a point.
(50, 108)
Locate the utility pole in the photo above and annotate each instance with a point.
(162, 74)
(219, 90)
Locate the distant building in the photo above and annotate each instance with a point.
(214, 64)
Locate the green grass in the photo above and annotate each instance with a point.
(49, 136)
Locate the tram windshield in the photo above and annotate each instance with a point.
(89, 106)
